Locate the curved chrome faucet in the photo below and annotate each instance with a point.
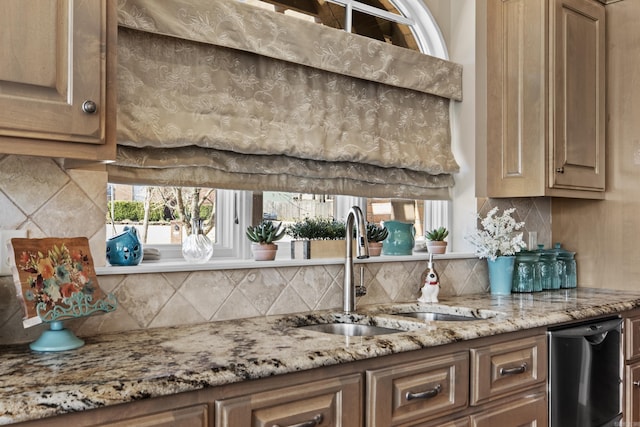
(362, 249)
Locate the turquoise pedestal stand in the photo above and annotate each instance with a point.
(57, 338)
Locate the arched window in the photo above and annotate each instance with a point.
(406, 23)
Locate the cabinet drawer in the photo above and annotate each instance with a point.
(417, 391)
(192, 416)
(529, 411)
(632, 337)
(632, 395)
(461, 422)
(502, 368)
(331, 402)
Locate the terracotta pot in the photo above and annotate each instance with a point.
(375, 248)
(436, 247)
(264, 251)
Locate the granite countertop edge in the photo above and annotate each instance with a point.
(125, 367)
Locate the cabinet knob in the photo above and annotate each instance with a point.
(559, 170)
(89, 106)
(636, 383)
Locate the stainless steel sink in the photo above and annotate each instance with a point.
(427, 315)
(350, 329)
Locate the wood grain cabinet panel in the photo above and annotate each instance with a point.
(632, 337)
(417, 391)
(578, 70)
(631, 389)
(631, 409)
(53, 78)
(457, 423)
(545, 98)
(327, 403)
(508, 367)
(192, 416)
(528, 411)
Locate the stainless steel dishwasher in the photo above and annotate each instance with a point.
(585, 369)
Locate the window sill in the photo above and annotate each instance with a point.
(178, 265)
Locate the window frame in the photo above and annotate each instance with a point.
(233, 216)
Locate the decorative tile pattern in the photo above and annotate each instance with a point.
(38, 195)
(534, 211)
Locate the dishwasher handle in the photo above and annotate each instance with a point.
(597, 330)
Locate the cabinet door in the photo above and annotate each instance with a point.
(530, 411)
(417, 391)
(545, 98)
(578, 29)
(192, 416)
(53, 60)
(328, 403)
(632, 395)
(516, 97)
(631, 337)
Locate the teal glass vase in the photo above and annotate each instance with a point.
(501, 274)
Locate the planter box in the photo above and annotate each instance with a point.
(312, 249)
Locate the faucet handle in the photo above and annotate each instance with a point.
(361, 289)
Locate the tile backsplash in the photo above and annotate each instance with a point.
(41, 196)
(167, 299)
(535, 212)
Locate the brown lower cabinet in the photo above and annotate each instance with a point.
(493, 381)
(631, 379)
(191, 416)
(332, 402)
(527, 411)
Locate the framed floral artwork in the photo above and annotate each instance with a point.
(54, 275)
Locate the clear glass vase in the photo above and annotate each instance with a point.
(197, 247)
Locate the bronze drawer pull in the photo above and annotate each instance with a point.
(511, 371)
(316, 421)
(424, 394)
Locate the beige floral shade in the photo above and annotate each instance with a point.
(222, 94)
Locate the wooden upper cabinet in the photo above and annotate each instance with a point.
(545, 98)
(55, 99)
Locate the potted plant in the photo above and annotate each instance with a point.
(498, 242)
(375, 235)
(263, 235)
(435, 240)
(317, 238)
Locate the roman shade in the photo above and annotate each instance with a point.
(222, 94)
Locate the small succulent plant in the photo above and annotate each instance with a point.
(376, 233)
(437, 234)
(266, 232)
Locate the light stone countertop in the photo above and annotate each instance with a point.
(125, 367)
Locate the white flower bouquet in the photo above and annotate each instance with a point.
(498, 236)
